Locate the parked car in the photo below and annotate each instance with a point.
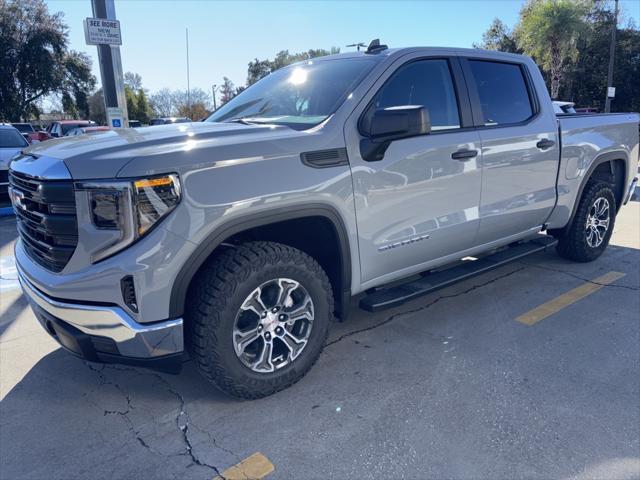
(11, 143)
(134, 124)
(62, 127)
(564, 108)
(26, 129)
(168, 120)
(82, 130)
(242, 237)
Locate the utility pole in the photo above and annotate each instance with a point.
(188, 85)
(213, 92)
(110, 67)
(612, 53)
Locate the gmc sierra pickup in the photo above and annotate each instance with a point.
(240, 238)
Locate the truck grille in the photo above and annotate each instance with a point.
(46, 218)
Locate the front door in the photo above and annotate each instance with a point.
(420, 202)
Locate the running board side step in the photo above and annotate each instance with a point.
(397, 295)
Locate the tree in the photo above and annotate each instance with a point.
(162, 103)
(261, 68)
(498, 37)
(257, 70)
(130, 97)
(586, 80)
(133, 80)
(143, 109)
(227, 91)
(97, 111)
(196, 111)
(35, 60)
(549, 31)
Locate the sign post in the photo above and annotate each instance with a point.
(103, 30)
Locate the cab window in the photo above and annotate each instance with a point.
(424, 82)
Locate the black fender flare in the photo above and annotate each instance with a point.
(599, 160)
(246, 222)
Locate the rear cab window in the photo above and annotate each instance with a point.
(503, 92)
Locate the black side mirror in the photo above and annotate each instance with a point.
(389, 124)
(55, 134)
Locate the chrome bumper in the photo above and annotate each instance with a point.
(132, 339)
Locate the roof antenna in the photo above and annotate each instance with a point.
(375, 47)
(358, 45)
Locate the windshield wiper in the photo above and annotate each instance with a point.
(239, 120)
(248, 120)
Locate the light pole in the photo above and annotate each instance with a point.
(213, 93)
(188, 85)
(612, 53)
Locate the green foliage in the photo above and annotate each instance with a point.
(97, 111)
(35, 61)
(132, 108)
(582, 58)
(143, 109)
(261, 68)
(549, 31)
(586, 78)
(498, 37)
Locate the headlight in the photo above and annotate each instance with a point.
(130, 209)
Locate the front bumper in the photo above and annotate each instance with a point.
(103, 333)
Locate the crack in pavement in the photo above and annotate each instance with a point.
(421, 308)
(575, 275)
(183, 419)
(124, 414)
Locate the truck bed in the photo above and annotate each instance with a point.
(584, 137)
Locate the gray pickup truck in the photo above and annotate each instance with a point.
(239, 239)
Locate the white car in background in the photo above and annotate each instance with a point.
(564, 108)
(11, 143)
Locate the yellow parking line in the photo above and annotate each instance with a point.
(254, 467)
(572, 296)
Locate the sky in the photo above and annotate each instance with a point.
(225, 35)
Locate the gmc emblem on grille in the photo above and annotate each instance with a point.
(16, 198)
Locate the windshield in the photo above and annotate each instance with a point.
(299, 96)
(10, 138)
(67, 127)
(23, 127)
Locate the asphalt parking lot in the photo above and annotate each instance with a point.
(477, 381)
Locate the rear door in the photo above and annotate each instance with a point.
(420, 201)
(520, 148)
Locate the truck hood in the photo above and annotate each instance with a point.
(104, 154)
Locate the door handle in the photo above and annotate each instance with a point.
(545, 144)
(464, 155)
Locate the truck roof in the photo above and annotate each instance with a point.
(395, 52)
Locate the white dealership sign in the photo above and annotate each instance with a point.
(101, 31)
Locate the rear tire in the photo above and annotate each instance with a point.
(589, 233)
(249, 290)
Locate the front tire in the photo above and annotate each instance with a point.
(590, 231)
(258, 318)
